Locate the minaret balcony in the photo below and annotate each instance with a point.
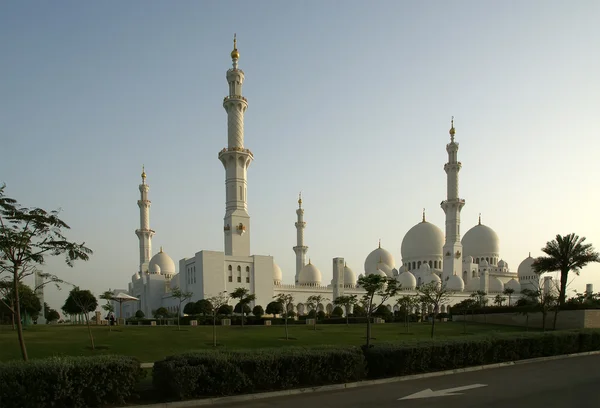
(235, 98)
(236, 149)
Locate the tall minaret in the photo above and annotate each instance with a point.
(300, 249)
(236, 160)
(144, 233)
(452, 206)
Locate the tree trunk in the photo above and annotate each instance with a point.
(347, 316)
(214, 330)
(12, 315)
(315, 324)
(527, 322)
(178, 309)
(432, 325)
(465, 322)
(87, 321)
(18, 315)
(544, 320)
(561, 298)
(368, 330)
(287, 336)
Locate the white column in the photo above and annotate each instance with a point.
(300, 249)
(144, 233)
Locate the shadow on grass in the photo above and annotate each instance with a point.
(289, 338)
(98, 348)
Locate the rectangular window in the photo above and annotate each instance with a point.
(230, 279)
(247, 279)
(239, 279)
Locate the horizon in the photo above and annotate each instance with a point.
(351, 106)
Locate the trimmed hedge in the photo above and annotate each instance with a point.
(390, 360)
(69, 381)
(212, 373)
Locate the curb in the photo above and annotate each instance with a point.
(334, 387)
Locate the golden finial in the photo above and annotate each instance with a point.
(300, 199)
(452, 130)
(479, 218)
(143, 173)
(423, 214)
(530, 254)
(309, 261)
(345, 264)
(379, 242)
(235, 54)
(161, 248)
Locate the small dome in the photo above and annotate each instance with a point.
(309, 275)
(349, 276)
(423, 241)
(277, 274)
(135, 276)
(483, 264)
(480, 241)
(164, 262)
(379, 272)
(425, 267)
(378, 256)
(389, 272)
(468, 259)
(502, 264)
(495, 285)
(455, 283)
(525, 268)
(473, 285)
(430, 277)
(407, 280)
(514, 285)
(154, 269)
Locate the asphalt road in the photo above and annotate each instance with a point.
(564, 383)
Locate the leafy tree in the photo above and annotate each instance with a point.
(498, 300)
(463, 307)
(27, 237)
(312, 314)
(274, 308)
(108, 306)
(407, 303)
(181, 296)
(434, 294)
(29, 302)
(81, 302)
(238, 309)
(346, 301)
(258, 311)
(382, 287)
(190, 308)
(313, 302)
(508, 292)
(161, 312)
(481, 297)
(338, 312)
(383, 312)
(286, 302)
(51, 315)
(204, 307)
(216, 303)
(358, 311)
(566, 254)
(320, 315)
(225, 310)
(139, 314)
(244, 300)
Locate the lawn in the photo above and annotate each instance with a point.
(151, 343)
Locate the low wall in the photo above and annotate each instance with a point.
(567, 319)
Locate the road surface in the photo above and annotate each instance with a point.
(564, 383)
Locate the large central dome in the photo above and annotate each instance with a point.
(481, 241)
(423, 241)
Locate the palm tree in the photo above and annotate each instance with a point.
(508, 292)
(565, 254)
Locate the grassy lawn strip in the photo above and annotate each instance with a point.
(150, 344)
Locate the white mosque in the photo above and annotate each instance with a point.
(428, 255)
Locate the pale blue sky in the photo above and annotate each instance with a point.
(349, 102)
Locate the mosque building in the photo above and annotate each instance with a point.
(428, 254)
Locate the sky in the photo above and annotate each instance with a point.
(349, 102)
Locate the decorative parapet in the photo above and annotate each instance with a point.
(234, 97)
(235, 149)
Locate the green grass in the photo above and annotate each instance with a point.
(149, 343)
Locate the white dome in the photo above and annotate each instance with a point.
(495, 285)
(389, 272)
(514, 285)
(164, 262)
(425, 267)
(309, 275)
(379, 272)
(349, 276)
(473, 285)
(483, 263)
(277, 274)
(430, 277)
(455, 283)
(154, 269)
(525, 268)
(379, 255)
(407, 280)
(502, 264)
(468, 259)
(480, 241)
(423, 241)
(135, 276)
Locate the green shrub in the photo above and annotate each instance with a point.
(213, 373)
(68, 381)
(390, 360)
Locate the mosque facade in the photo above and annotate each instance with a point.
(429, 254)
